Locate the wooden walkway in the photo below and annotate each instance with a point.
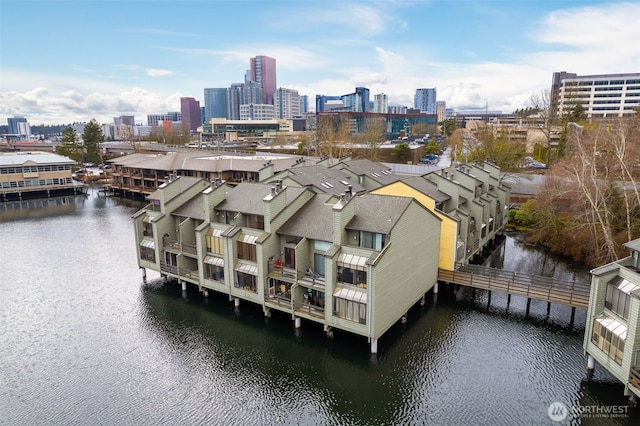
(535, 287)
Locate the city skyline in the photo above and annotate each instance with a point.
(63, 62)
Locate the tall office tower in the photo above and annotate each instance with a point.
(425, 100)
(18, 124)
(263, 71)
(363, 92)
(252, 93)
(215, 103)
(190, 109)
(234, 100)
(441, 111)
(601, 95)
(380, 103)
(304, 104)
(287, 103)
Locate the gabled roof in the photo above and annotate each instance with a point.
(425, 186)
(313, 221)
(376, 171)
(248, 197)
(327, 180)
(193, 208)
(378, 213)
(633, 245)
(183, 182)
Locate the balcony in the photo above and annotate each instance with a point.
(310, 309)
(183, 273)
(186, 248)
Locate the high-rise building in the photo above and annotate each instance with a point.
(234, 100)
(323, 100)
(380, 103)
(215, 103)
(190, 110)
(357, 101)
(304, 104)
(287, 103)
(124, 120)
(18, 126)
(154, 120)
(441, 110)
(257, 112)
(602, 95)
(263, 71)
(425, 100)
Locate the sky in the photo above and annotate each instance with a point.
(73, 61)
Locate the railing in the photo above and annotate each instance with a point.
(181, 247)
(634, 378)
(170, 269)
(190, 274)
(520, 284)
(309, 308)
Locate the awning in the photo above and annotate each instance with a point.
(613, 325)
(247, 269)
(147, 219)
(249, 239)
(215, 232)
(146, 242)
(214, 260)
(352, 295)
(625, 285)
(352, 261)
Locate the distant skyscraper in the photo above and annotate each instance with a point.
(263, 71)
(425, 100)
(16, 124)
(215, 103)
(234, 100)
(256, 112)
(190, 110)
(441, 110)
(287, 103)
(322, 100)
(304, 104)
(380, 103)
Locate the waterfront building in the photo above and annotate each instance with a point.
(141, 174)
(425, 100)
(381, 103)
(612, 331)
(257, 112)
(338, 261)
(263, 71)
(190, 111)
(601, 95)
(36, 174)
(215, 103)
(287, 103)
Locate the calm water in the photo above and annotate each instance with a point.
(83, 341)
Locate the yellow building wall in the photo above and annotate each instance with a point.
(448, 226)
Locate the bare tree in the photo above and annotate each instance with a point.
(374, 135)
(542, 104)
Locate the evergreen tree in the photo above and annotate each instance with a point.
(70, 146)
(92, 136)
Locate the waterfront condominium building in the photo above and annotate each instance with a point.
(380, 103)
(263, 71)
(190, 110)
(612, 330)
(215, 103)
(425, 100)
(287, 103)
(602, 95)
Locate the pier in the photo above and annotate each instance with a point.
(548, 289)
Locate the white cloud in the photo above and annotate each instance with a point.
(154, 72)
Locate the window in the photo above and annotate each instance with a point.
(213, 272)
(255, 221)
(350, 305)
(246, 281)
(609, 336)
(214, 241)
(352, 270)
(618, 296)
(371, 240)
(247, 247)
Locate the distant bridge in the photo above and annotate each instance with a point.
(548, 289)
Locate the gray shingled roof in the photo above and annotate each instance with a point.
(313, 221)
(193, 208)
(247, 197)
(377, 213)
(376, 171)
(633, 245)
(183, 182)
(327, 180)
(425, 186)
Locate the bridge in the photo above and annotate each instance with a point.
(548, 289)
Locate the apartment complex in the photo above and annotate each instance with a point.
(603, 95)
(347, 260)
(612, 332)
(24, 174)
(287, 103)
